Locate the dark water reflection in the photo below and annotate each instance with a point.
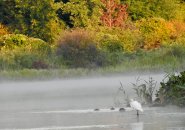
(69, 104)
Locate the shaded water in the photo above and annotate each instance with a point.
(69, 104)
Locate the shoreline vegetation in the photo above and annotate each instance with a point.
(52, 74)
(60, 39)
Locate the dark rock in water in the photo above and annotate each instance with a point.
(112, 108)
(122, 109)
(96, 109)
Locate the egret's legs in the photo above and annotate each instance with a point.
(137, 113)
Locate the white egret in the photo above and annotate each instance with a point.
(136, 106)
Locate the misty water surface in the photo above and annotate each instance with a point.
(70, 103)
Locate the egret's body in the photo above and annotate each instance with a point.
(136, 106)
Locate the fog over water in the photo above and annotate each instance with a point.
(70, 103)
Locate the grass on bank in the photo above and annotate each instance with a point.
(156, 61)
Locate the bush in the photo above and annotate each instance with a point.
(132, 40)
(29, 61)
(23, 60)
(36, 18)
(13, 41)
(22, 42)
(139, 9)
(173, 91)
(79, 49)
(39, 47)
(119, 39)
(117, 43)
(111, 44)
(154, 31)
(22, 52)
(179, 29)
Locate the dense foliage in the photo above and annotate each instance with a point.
(45, 33)
(167, 9)
(113, 14)
(78, 49)
(19, 51)
(36, 18)
(173, 91)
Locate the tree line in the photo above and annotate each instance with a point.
(45, 19)
(45, 34)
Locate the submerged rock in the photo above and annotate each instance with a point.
(122, 109)
(112, 108)
(96, 109)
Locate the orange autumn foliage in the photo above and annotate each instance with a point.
(114, 14)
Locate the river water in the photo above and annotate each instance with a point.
(69, 105)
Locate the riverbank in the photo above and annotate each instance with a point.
(33, 74)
